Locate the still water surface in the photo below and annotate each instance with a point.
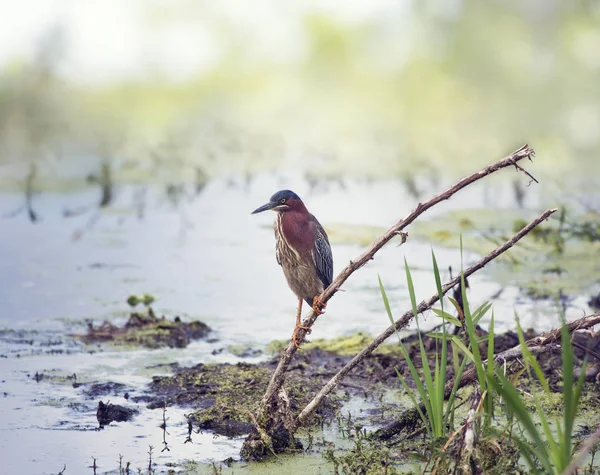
(203, 258)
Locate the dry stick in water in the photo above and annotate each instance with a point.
(545, 342)
(408, 316)
(278, 376)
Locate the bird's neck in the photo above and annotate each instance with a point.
(296, 229)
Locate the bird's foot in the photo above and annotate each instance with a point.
(295, 334)
(318, 306)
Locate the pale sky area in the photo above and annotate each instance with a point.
(115, 39)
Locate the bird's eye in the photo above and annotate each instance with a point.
(282, 200)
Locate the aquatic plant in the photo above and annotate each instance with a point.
(431, 390)
(543, 451)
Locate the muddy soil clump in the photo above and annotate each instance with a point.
(107, 413)
(147, 330)
(225, 396)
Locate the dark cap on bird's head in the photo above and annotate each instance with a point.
(283, 200)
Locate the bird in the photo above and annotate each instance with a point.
(302, 250)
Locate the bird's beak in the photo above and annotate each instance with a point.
(268, 206)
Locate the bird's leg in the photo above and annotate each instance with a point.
(299, 325)
(318, 305)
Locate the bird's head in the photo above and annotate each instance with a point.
(282, 201)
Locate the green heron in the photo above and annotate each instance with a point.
(302, 250)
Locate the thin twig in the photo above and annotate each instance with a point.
(408, 316)
(519, 168)
(589, 351)
(278, 376)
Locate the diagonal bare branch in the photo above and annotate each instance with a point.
(278, 376)
(408, 316)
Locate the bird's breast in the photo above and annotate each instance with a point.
(296, 260)
(296, 230)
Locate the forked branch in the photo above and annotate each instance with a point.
(408, 316)
(277, 378)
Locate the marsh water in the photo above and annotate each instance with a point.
(202, 256)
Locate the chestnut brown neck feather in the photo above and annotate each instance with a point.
(297, 230)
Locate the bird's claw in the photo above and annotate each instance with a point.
(295, 334)
(318, 305)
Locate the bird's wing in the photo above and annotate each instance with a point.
(322, 256)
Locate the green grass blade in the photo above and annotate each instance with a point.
(424, 359)
(442, 379)
(554, 452)
(490, 352)
(440, 335)
(438, 280)
(478, 314)
(437, 408)
(457, 376)
(411, 292)
(447, 317)
(440, 373)
(473, 338)
(576, 398)
(423, 394)
(386, 304)
(458, 342)
(409, 391)
(528, 453)
(571, 394)
(489, 399)
(458, 367)
(409, 362)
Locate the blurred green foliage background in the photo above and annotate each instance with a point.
(191, 88)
